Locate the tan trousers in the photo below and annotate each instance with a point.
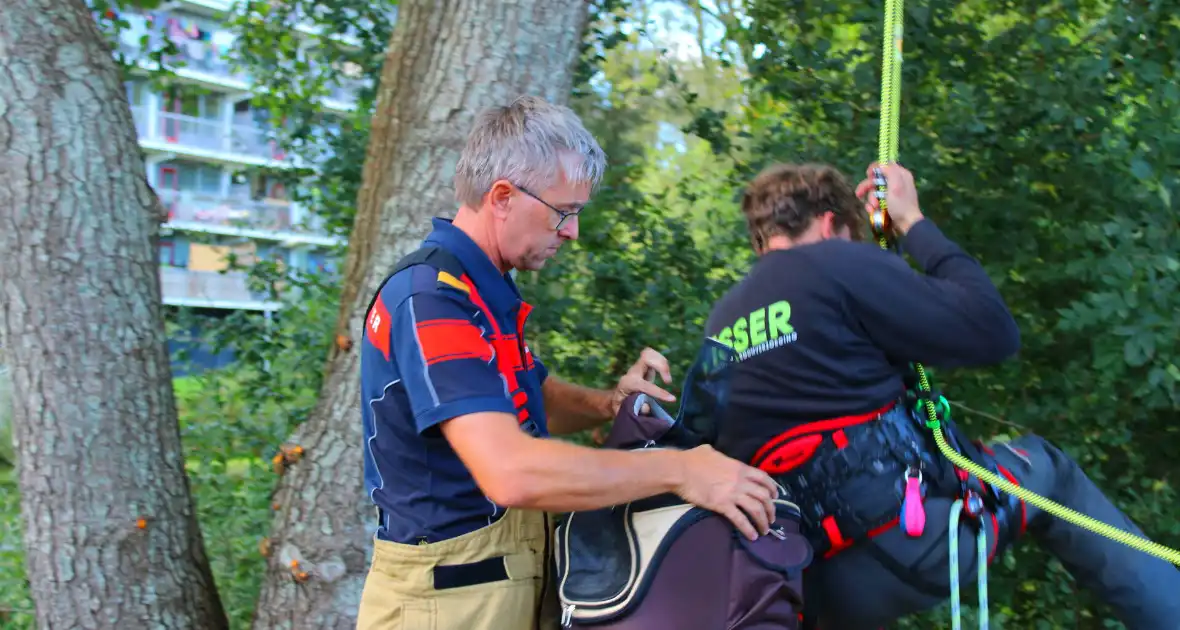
(495, 578)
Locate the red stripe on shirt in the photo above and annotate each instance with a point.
(507, 352)
(451, 339)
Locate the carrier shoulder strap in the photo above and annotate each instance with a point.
(449, 268)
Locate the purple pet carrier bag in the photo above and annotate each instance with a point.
(660, 563)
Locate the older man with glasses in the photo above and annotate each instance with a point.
(457, 408)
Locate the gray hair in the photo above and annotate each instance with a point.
(525, 142)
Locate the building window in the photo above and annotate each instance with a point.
(191, 177)
(167, 252)
(136, 93)
(196, 105)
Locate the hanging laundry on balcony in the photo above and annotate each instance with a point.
(222, 214)
(180, 29)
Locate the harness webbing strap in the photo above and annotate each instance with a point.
(981, 561)
(762, 458)
(813, 459)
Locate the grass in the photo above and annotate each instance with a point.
(16, 604)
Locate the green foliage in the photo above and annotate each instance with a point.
(1040, 147)
(109, 18)
(1041, 136)
(294, 76)
(228, 442)
(16, 602)
(234, 420)
(7, 452)
(651, 255)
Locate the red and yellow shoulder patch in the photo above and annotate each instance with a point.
(378, 327)
(446, 279)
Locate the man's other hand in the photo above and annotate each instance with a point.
(741, 493)
(636, 380)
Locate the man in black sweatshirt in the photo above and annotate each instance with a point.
(826, 328)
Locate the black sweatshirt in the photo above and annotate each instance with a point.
(826, 330)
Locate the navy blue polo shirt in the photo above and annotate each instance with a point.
(437, 347)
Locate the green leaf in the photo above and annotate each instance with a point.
(1141, 169)
(1139, 349)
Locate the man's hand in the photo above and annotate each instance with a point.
(636, 380)
(901, 197)
(741, 493)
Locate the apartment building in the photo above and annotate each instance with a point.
(200, 143)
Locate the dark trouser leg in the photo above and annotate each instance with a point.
(859, 589)
(1143, 590)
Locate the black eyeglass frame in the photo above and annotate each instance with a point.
(563, 215)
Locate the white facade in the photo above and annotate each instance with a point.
(197, 145)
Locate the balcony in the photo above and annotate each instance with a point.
(203, 138)
(192, 207)
(210, 289)
(266, 220)
(212, 6)
(204, 56)
(204, 60)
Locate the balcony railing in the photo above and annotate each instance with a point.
(184, 285)
(210, 54)
(205, 134)
(213, 210)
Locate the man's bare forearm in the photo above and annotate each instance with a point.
(572, 408)
(564, 477)
(517, 470)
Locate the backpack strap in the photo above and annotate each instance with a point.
(450, 270)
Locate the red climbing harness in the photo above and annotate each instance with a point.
(815, 460)
(791, 448)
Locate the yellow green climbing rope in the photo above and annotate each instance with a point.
(891, 50)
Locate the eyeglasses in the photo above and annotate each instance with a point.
(564, 215)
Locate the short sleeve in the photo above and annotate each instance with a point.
(447, 365)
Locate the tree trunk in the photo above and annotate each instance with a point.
(110, 530)
(447, 60)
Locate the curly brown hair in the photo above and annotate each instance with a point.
(785, 198)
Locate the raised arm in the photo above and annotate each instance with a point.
(952, 315)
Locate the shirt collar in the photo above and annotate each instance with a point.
(496, 288)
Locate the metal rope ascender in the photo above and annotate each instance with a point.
(937, 410)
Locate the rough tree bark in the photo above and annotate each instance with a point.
(447, 59)
(111, 534)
